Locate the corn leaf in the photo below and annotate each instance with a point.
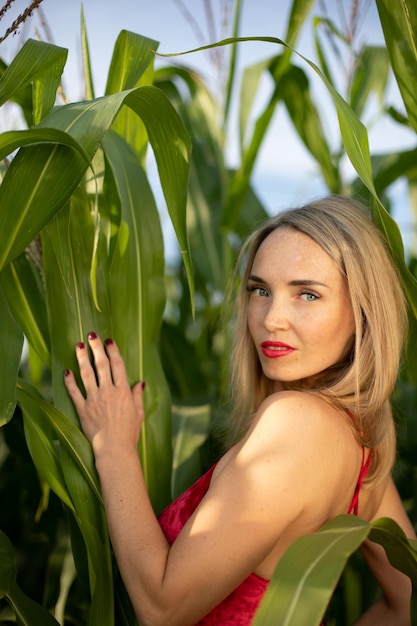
(64, 431)
(27, 612)
(21, 283)
(399, 23)
(36, 63)
(137, 294)
(294, 90)
(81, 481)
(191, 427)
(14, 139)
(50, 173)
(307, 574)
(371, 75)
(11, 349)
(131, 57)
(88, 74)
(131, 66)
(171, 146)
(8, 566)
(68, 246)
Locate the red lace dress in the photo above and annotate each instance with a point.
(239, 608)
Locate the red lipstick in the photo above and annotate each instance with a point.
(276, 349)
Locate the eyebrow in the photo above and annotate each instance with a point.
(292, 283)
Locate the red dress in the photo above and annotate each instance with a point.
(239, 608)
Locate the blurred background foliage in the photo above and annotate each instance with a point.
(82, 248)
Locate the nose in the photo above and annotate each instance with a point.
(277, 316)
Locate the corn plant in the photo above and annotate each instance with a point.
(81, 249)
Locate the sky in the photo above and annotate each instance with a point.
(284, 174)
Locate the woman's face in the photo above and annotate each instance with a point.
(299, 312)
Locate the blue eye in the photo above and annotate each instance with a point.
(309, 297)
(258, 291)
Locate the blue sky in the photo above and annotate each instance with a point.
(284, 174)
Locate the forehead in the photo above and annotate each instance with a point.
(288, 250)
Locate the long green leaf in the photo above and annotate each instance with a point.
(14, 139)
(50, 173)
(132, 56)
(371, 75)
(27, 612)
(191, 427)
(11, 349)
(307, 574)
(399, 23)
(8, 566)
(88, 74)
(137, 295)
(64, 431)
(25, 293)
(131, 66)
(68, 248)
(83, 488)
(41, 64)
(294, 90)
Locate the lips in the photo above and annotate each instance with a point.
(276, 349)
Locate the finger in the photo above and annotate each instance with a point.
(101, 361)
(117, 365)
(87, 374)
(74, 391)
(137, 393)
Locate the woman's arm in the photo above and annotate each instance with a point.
(394, 607)
(249, 504)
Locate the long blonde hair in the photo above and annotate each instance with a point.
(362, 384)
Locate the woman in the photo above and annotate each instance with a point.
(318, 336)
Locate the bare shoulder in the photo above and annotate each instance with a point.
(298, 439)
(293, 416)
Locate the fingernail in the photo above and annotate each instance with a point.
(92, 335)
(67, 373)
(143, 385)
(109, 342)
(81, 345)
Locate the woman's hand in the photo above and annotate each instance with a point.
(111, 413)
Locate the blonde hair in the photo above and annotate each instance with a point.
(362, 384)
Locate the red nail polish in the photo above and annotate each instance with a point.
(67, 373)
(81, 345)
(143, 385)
(109, 342)
(92, 335)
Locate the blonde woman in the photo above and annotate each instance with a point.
(319, 329)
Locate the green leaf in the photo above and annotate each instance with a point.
(191, 426)
(307, 574)
(137, 295)
(14, 139)
(28, 612)
(7, 565)
(371, 75)
(40, 64)
(173, 163)
(82, 483)
(21, 283)
(11, 350)
(50, 173)
(68, 248)
(42, 444)
(88, 74)
(399, 23)
(131, 66)
(132, 56)
(294, 90)
(67, 433)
